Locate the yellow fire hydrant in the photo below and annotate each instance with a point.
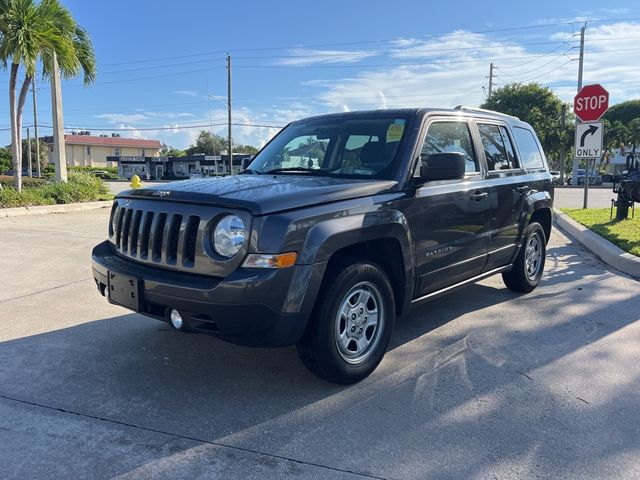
(135, 182)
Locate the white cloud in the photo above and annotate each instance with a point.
(439, 71)
(453, 69)
(303, 57)
(122, 117)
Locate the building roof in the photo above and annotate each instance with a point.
(108, 141)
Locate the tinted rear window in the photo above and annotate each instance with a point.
(530, 154)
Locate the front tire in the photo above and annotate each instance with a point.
(529, 264)
(351, 325)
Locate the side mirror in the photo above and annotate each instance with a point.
(245, 163)
(443, 166)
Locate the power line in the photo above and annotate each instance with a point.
(364, 42)
(539, 66)
(418, 64)
(175, 127)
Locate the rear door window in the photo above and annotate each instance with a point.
(498, 152)
(529, 150)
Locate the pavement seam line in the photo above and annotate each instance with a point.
(187, 437)
(45, 290)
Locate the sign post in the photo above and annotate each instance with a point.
(591, 102)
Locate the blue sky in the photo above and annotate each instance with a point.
(161, 64)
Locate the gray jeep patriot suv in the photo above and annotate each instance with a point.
(339, 225)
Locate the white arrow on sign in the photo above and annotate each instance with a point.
(589, 140)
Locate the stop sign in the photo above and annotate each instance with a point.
(591, 102)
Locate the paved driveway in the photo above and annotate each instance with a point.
(483, 383)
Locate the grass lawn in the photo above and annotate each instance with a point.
(625, 234)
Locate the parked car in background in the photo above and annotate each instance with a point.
(25, 173)
(196, 174)
(101, 174)
(556, 177)
(594, 178)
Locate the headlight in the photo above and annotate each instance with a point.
(229, 236)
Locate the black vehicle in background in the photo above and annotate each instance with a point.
(337, 227)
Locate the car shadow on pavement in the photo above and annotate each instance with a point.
(474, 383)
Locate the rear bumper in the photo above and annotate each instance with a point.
(249, 307)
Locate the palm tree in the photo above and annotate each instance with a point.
(32, 32)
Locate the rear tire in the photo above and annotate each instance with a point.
(351, 324)
(529, 264)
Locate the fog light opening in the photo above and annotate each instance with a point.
(176, 319)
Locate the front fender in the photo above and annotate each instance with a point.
(329, 236)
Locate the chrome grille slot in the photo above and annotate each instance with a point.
(145, 232)
(112, 217)
(134, 231)
(172, 238)
(190, 236)
(126, 223)
(157, 234)
(119, 226)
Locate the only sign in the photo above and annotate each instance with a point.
(591, 102)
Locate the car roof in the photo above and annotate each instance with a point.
(408, 112)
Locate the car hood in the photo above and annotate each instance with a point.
(263, 194)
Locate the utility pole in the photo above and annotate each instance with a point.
(563, 152)
(35, 125)
(576, 162)
(59, 153)
(29, 153)
(229, 112)
(490, 81)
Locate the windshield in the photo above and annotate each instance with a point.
(345, 146)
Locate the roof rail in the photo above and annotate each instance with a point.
(483, 110)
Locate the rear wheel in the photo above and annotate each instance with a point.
(351, 325)
(529, 264)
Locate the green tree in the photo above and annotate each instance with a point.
(538, 106)
(250, 149)
(172, 152)
(5, 159)
(44, 159)
(624, 112)
(31, 32)
(207, 143)
(615, 133)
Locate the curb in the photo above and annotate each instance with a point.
(606, 251)
(47, 209)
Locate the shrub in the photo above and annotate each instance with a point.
(27, 182)
(81, 187)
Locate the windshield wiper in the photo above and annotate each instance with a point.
(248, 171)
(314, 171)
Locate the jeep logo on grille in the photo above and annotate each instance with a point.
(161, 193)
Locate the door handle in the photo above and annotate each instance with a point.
(522, 188)
(476, 197)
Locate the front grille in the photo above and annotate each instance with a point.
(171, 235)
(155, 237)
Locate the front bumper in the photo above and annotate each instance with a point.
(249, 307)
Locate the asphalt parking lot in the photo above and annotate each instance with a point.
(483, 383)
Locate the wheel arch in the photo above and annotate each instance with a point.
(380, 237)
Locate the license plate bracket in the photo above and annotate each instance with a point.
(124, 290)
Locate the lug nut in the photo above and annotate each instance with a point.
(353, 316)
(353, 329)
(360, 331)
(365, 319)
(361, 311)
